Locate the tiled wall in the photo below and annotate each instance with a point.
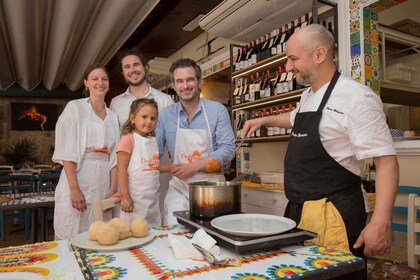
(365, 53)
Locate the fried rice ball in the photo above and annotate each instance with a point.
(94, 230)
(139, 227)
(108, 234)
(122, 226)
(213, 166)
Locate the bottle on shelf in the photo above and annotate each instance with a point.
(260, 48)
(265, 47)
(291, 81)
(257, 87)
(307, 20)
(251, 88)
(238, 60)
(237, 91)
(276, 129)
(246, 91)
(263, 129)
(258, 131)
(285, 38)
(330, 27)
(270, 129)
(274, 47)
(282, 129)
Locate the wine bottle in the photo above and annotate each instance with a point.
(242, 60)
(254, 52)
(236, 92)
(257, 87)
(263, 129)
(262, 85)
(286, 37)
(246, 91)
(274, 48)
(291, 81)
(269, 85)
(270, 129)
(258, 131)
(277, 89)
(265, 46)
(260, 46)
(237, 60)
(330, 28)
(282, 129)
(306, 21)
(252, 88)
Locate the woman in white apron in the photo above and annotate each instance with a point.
(86, 136)
(188, 142)
(138, 167)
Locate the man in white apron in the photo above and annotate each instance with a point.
(196, 131)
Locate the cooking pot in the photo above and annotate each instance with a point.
(209, 200)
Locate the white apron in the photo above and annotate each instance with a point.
(143, 181)
(93, 177)
(190, 146)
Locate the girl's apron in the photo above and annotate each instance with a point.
(143, 181)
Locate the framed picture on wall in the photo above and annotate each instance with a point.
(33, 116)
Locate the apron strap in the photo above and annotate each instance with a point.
(329, 91)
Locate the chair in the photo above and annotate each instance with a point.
(15, 184)
(48, 181)
(6, 169)
(413, 229)
(44, 168)
(99, 206)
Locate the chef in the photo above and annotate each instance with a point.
(196, 131)
(338, 124)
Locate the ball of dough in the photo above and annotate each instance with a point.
(122, 226)
(213, 166)
(94, 230)
(139, 227)
(108, 234)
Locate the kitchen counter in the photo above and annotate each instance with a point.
(155, 260)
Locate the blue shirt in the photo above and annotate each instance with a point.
(220, 126)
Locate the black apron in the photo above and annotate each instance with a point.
(310, 173)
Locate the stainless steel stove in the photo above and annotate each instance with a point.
(245, 244)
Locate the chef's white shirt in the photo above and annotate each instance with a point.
(353, 125)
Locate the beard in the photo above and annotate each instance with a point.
(306, 77)
(191, 98)
(135, 84)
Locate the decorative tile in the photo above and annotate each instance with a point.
(375, 85)
(356, 74)
(355, 61)
(355, 50)
(354, 38)
(368, 82)
(353, 4)
(354, 14)
(366, 13)
(375, 49)
(368, 60)
(366, 24)
(375, 61)
(373, 15)
(368, 72)
(355, 26)
(373, 25)
(367, 49)
(374, 37)
(375, 73)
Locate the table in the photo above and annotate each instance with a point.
(155, 260)
(36, 201)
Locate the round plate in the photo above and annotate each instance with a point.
(250, 225)
(83, 241)
(21, 276)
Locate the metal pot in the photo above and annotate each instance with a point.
(209, 200)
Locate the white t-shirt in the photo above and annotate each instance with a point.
(120, 104)
(353, 124)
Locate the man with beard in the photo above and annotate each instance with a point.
(338, 124)
(134, 68)
(196, 130)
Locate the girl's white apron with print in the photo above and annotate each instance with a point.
(143, 181)
(190, 146)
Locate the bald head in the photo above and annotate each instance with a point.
(314, 36)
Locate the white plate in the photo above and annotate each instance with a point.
(21, 276)
(82, 240)
(250, 225)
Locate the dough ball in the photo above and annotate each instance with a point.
(108, 234)
(139, 227)
(122, 226)
(213, 166)
(94, 230)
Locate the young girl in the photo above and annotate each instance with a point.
(138, 164)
